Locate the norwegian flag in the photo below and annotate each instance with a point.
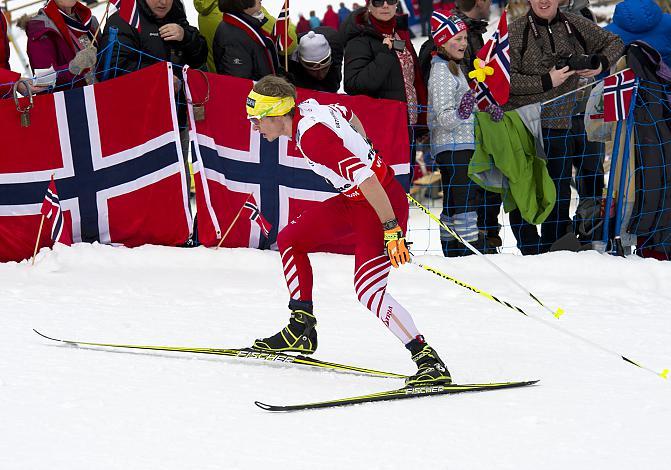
(256, 216)
(496, 54)
(232, 161)
(617, 92)
(281, 28)
(51, 209)
(127, 10)
(118, 167)
(483, 95)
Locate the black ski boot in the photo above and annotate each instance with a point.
(431, 369)
(299, 335)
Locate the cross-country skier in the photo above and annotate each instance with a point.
(371, 205)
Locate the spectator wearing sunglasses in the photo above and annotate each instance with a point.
(380, 60)
(317, 64)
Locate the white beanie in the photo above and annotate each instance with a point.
(314, 47)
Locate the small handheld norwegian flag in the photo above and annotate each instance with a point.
(51, 209)
(495, 54)
(617, 92)
(128, 11)
(280, 30)
(256, 216)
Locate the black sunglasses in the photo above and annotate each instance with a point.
(379, 3)
(322, 64)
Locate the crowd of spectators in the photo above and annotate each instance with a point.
(367, 50)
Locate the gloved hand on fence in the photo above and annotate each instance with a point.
(495, 112)
(466, 105)
(395, 245)
(84, 60)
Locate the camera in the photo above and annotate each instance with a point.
(398, 45)
(578, 62)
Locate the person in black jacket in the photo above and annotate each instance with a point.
(317, 64)
(380, 60)
(164, 34)
(651, 218)
(241, 47)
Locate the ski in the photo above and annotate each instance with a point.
(243, 354)
(398, 394)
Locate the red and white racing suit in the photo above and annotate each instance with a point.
(334, 150)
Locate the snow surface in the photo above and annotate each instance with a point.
(82, 408)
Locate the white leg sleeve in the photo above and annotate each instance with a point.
(397, 319)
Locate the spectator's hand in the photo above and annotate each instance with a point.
(495, 112)
(588, 73)
(83, 60)
(466, 105)
(560, 76)
(171, 32)
(177, 83)
(25, 88)
(389, 42)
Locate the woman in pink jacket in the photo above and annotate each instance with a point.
(60, 36)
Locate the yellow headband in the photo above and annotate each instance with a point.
(260, 106)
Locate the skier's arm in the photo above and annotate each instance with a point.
(375, 195)
(394, 239)
(356, 124)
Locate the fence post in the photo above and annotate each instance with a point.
(619, 250)
(107, 63)
(611, 184)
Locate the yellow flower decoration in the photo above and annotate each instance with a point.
(481, 71)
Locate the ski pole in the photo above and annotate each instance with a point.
(452, 232)
(486, 295)
(663, 374)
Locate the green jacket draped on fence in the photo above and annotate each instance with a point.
(505, 162)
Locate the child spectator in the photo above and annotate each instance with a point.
(451, 124)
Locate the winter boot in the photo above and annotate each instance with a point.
(431, 369)
(299, 335)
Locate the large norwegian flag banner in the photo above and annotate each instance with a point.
(115, 154)
(617, 92)
(233, 164)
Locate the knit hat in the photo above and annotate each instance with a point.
(445, 25)
(314, 48)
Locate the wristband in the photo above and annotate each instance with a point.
(389, 224)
